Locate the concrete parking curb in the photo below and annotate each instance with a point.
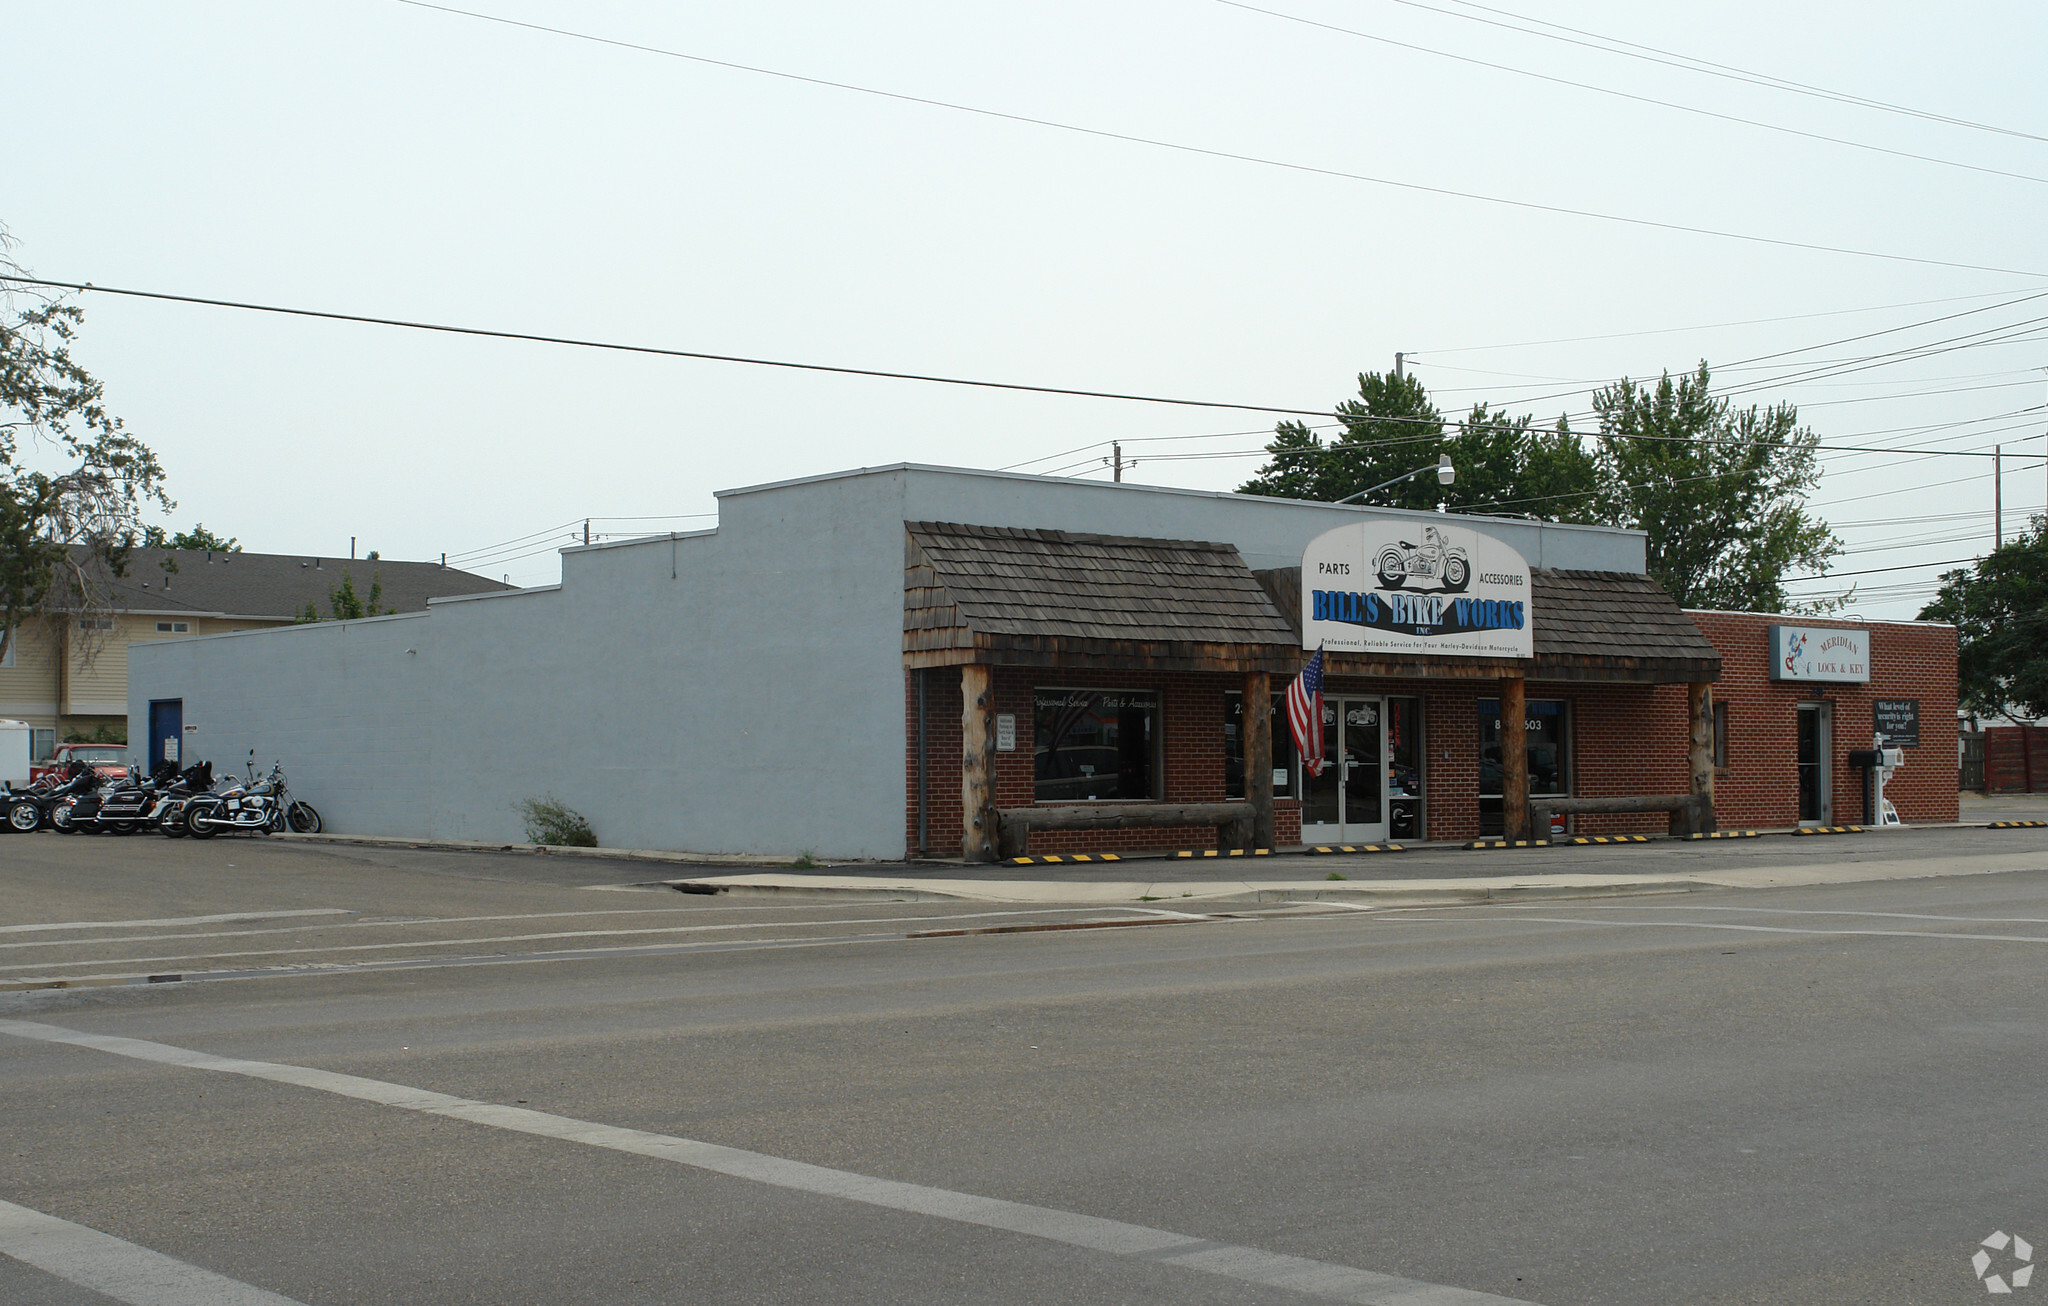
(539, 849)
(1177, 893)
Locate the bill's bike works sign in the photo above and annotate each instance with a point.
(1415, 587)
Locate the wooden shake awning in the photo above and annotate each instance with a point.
(1008, 596)
(1005, 596)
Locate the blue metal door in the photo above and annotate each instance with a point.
(166, 732)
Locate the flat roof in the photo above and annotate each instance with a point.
(938, 470)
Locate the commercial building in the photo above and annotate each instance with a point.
(908, 659)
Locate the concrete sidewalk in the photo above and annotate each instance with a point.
(1428, 873)
(1387, 892)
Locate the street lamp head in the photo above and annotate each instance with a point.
(1445, 473)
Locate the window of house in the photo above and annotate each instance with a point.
(95, 623)
(42, 742)
(1546, 731)
(1720, 736)
(173, 627)
(1233, 747)
(1095, 745)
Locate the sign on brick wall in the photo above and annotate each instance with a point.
(1896, 721)
(1820, 653)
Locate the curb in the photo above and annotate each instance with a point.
(1194, 895)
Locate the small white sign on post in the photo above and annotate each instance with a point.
(170, 748)
(1006, 732)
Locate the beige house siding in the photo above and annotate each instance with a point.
(28, 689)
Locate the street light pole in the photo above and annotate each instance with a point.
(1445, 475)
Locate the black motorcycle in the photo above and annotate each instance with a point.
(261, 806)
(169, 814)
(122, 809)
(30, 809)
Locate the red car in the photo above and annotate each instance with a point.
(110, 760)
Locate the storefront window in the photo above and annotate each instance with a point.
(1093, 745)
(1233, 747)
(1404, 768)
(1547, 732)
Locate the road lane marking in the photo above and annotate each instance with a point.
(465, 920)
(179, 920)
(505, 938)
(116, 1268)
(317, 968)
(1755, 929)
(1323, 1279)
(1800, 911)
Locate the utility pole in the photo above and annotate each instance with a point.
(351, 548)
(586, 530)
(1997, 496)
(1116, 463)
(1400, 362)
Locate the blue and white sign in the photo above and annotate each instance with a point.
(1422, 588)
(1820, 653)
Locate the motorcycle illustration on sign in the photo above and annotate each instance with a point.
(1435, 559)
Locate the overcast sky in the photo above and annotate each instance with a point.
(386, 159)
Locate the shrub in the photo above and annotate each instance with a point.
(548, 821)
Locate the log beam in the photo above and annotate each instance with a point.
(1700, 708)
(1257, 725)
(1514, 760)
(977, 763)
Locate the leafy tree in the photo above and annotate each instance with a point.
(198, 538)
(2000, 611)
(1720, 492)
(1392, 428)
(1389, 429)
(73, 481)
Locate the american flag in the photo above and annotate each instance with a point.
(1305, 714)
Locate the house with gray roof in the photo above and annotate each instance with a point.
(68, 676)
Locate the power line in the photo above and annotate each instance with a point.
(1707, 67)
(1627, 95)
(653, 350)
(1412, 355)
(1154, 142)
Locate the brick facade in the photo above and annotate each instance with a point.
(1760, 785)
(1624, 739)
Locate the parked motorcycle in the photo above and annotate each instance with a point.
(169, 814)
(30, 809)
(123, 808)
(263, 806)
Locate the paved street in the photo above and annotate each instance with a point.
(424, 1077)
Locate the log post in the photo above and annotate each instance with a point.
(1257, 725)
(1514, 761)
(977, 763)
(1700, 707)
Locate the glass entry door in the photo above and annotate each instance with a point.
(1816, 785)
(1347, 803)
